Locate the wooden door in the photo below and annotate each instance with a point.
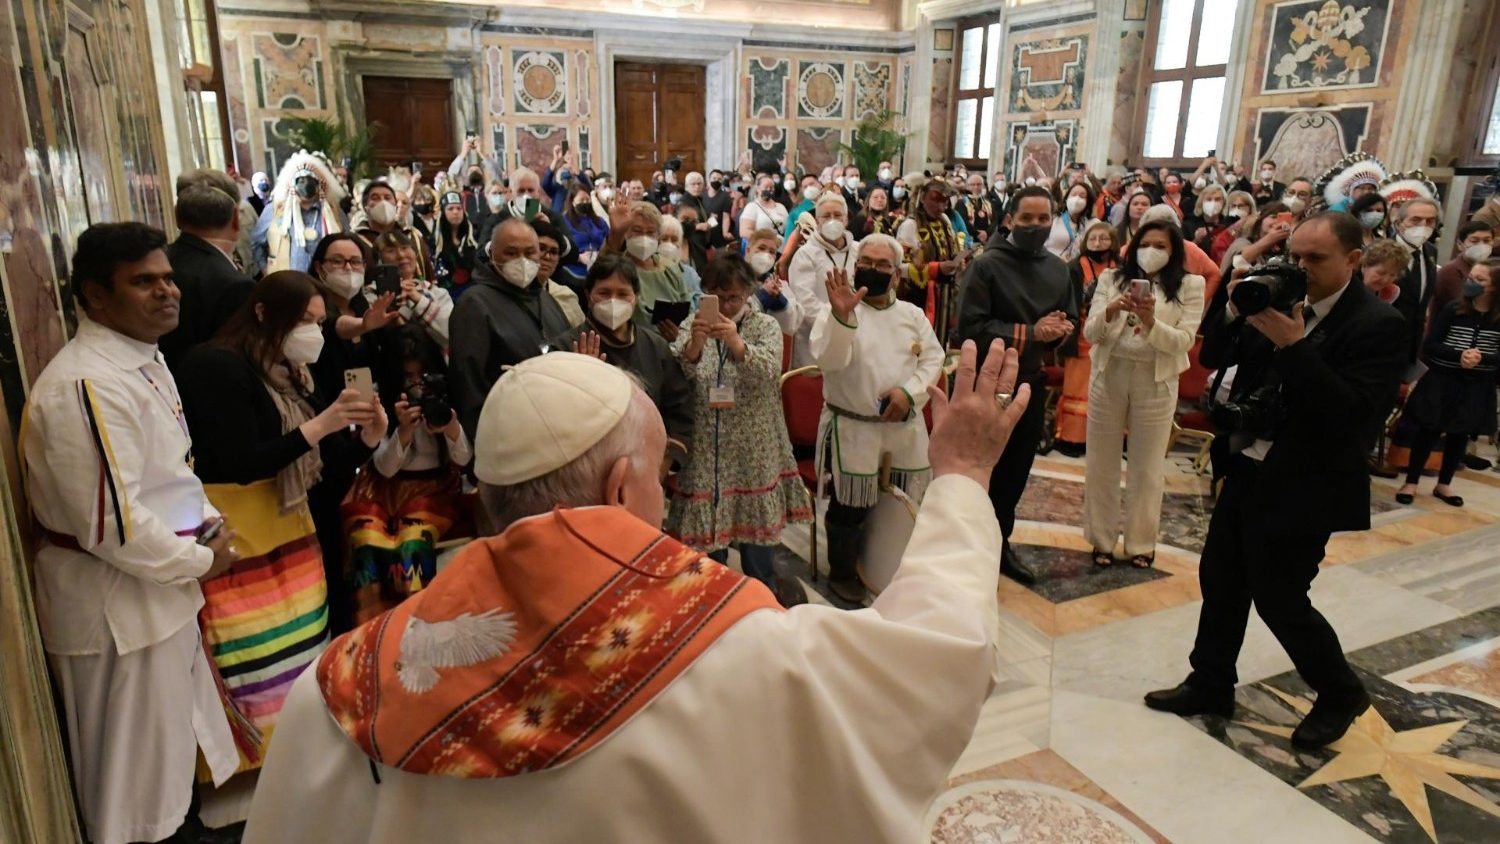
(416, 121)
(658, 115)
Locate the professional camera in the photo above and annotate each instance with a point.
(1259, 413)
(431, 396)
(1277, 284)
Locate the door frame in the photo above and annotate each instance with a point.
(720, 56)
(352, 64)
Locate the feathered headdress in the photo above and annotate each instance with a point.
(1401, 187)
(1353, 170)
(304, 163)
(399, 178)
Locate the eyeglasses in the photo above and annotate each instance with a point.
(883, 266)
(550, 252)
(344, 263)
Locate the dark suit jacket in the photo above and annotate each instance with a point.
(212, 290)
(1415, 300)
(1338, 385)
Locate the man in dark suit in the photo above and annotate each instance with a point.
(213, 286)
(1416, 220)
(1331, 370)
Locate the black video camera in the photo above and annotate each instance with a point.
(1259, 413)
(431, 396)
(1277, 284)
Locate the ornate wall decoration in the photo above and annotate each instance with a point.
(937, 124)
(1039, 150)
(581, 81)
(288, 71)
(766, 143)
(942, 40)
(540, 80)
(1309, 141)
(534, 143)
(904, 98)
(494, 79)
(498, 145)
(276, 141)
(820, 90)
(1321, 45)
(818, 148)
(767, 80)
(234, 92)
(585, 147)
(872, 88)
(1047, 75)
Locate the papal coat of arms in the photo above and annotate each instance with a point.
(1326, 47)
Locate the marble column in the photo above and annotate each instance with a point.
(1423, 79)
(1234, 85)
(1100, 82)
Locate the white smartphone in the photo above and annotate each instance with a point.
(708, 308)
(360, 379)
(1140, 288)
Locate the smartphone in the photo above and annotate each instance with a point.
(1213, 153)
(387, 279)
(362, 381)
(708, 308)
(209, 530)
(1140, 288)
(565, 146)
(1284, 217)
(416, 168)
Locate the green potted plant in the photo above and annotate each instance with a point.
(875, 140)
(335, 139)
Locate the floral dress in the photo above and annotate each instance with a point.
(740, 482)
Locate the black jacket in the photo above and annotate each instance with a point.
(1003, 294)
(495, 325)
(1337, 386)
(649, 357)
(1416, 297)
(212, 290)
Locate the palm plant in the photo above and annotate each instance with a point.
(876, 140)
(335, 139)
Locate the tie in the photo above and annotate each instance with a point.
(1309, 316)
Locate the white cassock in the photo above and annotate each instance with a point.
(106, 452)
(813, 725)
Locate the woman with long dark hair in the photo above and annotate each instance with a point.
(1142, 323)
(1072, 220)
(1455, 399)
(264, 441)
(457, 246)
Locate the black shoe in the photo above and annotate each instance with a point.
(1405, 498)
(850, 591)
(1068, 449)
(1012, 567)
(789, 591)
(1450, 500)
(1327, 722)
(1186, 700)
(1475, 462)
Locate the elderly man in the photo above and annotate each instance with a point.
(212, 282)
(878, 355)
(1416, 220)
(934, 253)
(303, 209)
(505, 317)
(127, 539)
(827, 247)
(580, 676)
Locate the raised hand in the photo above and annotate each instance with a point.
(619, 212)
(841, 297)
(380, 314)
(970, 430)
(588, 344)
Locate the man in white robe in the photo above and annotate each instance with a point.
(476, 711)
(106, 453)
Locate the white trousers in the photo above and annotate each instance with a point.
(1127, 397)
(135, 723)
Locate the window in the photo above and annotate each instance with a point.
(203, 79)
(974, 90)
(1183, 76)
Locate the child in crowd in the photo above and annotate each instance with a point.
(1383, 265)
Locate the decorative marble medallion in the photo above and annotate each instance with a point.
(767, 78)
(288, 71)
(872, 88)
(540, 80)
(1023, 811)
(820, 90)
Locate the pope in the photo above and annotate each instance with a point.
(582, 677)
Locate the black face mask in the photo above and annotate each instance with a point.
(476, 181)
(872, 280)
(1030, 238)
(422, 208)
(1098, 256)
(307, 188)
(716, 184)
(767, 194)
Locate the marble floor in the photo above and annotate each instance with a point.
(1065, 752)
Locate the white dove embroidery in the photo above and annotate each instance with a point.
(427, 646)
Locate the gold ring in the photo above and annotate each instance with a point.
(1003, 399)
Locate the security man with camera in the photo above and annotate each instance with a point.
(1317, 374)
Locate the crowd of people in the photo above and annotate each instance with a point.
(316, 428)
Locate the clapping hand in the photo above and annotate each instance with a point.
(772, 286)
(970, 430)
(1053, 326)
(588, 344)
(842, 299)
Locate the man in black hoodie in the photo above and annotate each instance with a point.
(1019, 292)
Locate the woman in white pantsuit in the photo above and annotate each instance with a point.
(1141, 334)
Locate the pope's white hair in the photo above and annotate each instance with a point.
(581, 482)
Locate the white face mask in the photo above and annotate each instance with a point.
(810, 193)
(345, 283)
(1267, 174)
(1237, 213)
(1152, 258)
(1416, 235)
(641, 248)
(831, 229)
(1293, 203)
(898, 193)
(303, 345)
(495, 200)
(851, 182)
(669, 252)
(382, 213)
(1477, 253)
(519, 271)
(762, 262)
(1211, 207)
(613, 313)
(606, 194)
(789, 185)
(885, 174)
(1075, 205)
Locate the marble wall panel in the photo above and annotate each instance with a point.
(818, 148)
(1036, 150)
(541, 81)
(766, 79)
(787, 92)
(872, 88)
(821, 90)
(767, 144)
(239, 114)
(1309, 141)
(534, 143)
(1315, 45)
(288, 71)
(940, 118)
(1127, 87)
(1046, 75)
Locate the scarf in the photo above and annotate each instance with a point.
(293, 480)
